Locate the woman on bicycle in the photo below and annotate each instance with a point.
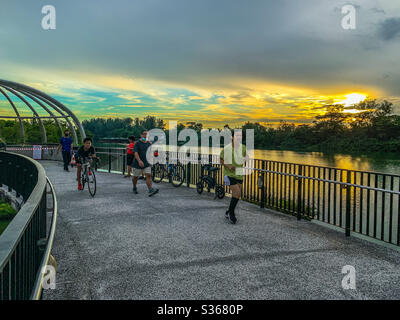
(84, 151)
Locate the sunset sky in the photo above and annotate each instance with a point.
(216, 62)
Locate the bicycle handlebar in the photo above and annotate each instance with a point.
(96, 159)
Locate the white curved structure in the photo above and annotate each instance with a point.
(54, 108)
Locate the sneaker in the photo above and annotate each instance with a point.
(80, 186)
(227, 214)
(152, 191)
(134, 190)
(232, 218)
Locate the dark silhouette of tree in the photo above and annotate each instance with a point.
(373, 128)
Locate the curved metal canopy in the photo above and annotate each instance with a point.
(55, 109)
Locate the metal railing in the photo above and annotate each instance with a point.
(363, 202)
(367, 203)
(25, 244)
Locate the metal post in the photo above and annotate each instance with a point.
(170, 155)
(123, 162)
(263, 186)
(348, 193)
(11, 173)
(188, 174)
(299, 188)
(109, 159)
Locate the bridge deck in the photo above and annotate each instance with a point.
(177, 245)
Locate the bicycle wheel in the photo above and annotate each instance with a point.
(220, 191)
(200, 187)
(157, 173)
(83, 180)
(178, 175)
(91, 182)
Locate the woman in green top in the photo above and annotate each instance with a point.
(233, 158)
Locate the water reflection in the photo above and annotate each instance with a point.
(386, 163)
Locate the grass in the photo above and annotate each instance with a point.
(7, 213)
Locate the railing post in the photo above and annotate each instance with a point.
(299, 189)
(123, 162)
(11, 173)
(43, 215)
(188, 173)
(262, 205)
(109, 160)
(169, 162)
(348, 193)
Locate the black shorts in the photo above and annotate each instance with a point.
(129, 159)
(233, 181)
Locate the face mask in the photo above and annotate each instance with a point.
(144, 139)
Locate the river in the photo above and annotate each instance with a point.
(385, 163)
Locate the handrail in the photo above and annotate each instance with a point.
(36, 294)
(283, 162)
(14, 231)
(21, 254)
(363, 202)
(343, 184)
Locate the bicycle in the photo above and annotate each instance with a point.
(174, 172)
(208, 181)
(88, 175)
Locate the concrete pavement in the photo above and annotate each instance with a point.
(178, 245)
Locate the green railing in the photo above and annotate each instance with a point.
(26, 242)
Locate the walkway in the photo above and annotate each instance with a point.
(178, 245)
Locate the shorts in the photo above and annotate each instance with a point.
(138, 172)
(232, 181)
(129, 159)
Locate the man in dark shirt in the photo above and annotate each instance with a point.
(65, 145)
(84, 151)
(140, 163)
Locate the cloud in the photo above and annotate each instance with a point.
(389, 28)
(202, 58)
(378, 10)
(130, 98)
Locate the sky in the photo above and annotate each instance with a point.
(215, 62)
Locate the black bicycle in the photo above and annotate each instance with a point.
(174, 172)
(208, 181)
(88, 175)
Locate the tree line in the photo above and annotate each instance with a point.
(373, 128)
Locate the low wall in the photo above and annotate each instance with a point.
(39, 152)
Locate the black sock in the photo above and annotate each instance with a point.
(233, 204)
